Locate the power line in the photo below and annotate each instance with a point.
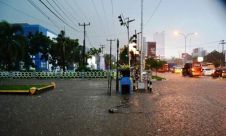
(43, 13)
(90, 43)
(58, 16)
(74, 13)
(55, 9)
(79, 9)
(112, 8)
(98, 16)
(6, 4)
(154, 11)
(66, 15)
(205, 43)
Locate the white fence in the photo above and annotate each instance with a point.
(45, 75)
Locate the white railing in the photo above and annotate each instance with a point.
(45, 75)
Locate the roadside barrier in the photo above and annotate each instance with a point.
(149, 85)
(49, 75)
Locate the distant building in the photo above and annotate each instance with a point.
(159, 38)
(40, 65)
(199, 52)
(144, 46)
(151, 49)
(96, 62)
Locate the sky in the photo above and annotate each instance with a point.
(206, 17)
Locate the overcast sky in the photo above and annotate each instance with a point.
(206, 17)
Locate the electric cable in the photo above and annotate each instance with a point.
(58, 17)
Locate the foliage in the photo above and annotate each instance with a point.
(93, 52)
(215, 57)
(39, 43)
(11, 45)
(124, 56)
(153, 64)
(83, 68)
(16, 48)
(65, 51)
(107, 60)
(158, 78)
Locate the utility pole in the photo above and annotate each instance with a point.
(222, 43)
(117, 81)
(110, 40)
(84, 41)
(141, 41)
(102, 48)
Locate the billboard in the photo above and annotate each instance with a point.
(151, 52)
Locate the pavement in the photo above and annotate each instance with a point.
(177, 106)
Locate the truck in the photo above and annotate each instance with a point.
(192, 69)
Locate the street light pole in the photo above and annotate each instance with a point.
(185, 39)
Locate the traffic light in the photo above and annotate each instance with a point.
(134, 38)
(120, 20)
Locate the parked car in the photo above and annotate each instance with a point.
(207, 71)
(223, 72)
(217, 73)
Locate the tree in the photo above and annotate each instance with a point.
(154, 64)
(39, 43)
(107, 60)
(93, 52)
(216, 58)
(65, 51)
(124, 56)
(11, 45)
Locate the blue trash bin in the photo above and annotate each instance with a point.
(125, 85)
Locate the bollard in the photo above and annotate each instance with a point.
(134, 87)
(150, 85)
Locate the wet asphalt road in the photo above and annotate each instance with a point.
(178, 106)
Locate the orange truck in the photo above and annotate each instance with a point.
(192, 69)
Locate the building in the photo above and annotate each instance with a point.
(96, 62)
(40, 65)
(151, 49)
(159, 38)
(199, 52)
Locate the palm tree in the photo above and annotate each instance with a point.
(11, 45)
(65, 51)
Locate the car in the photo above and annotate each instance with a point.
(223, 74)
(192, 69)
(207, 71)
(177, 69)
(217, 73)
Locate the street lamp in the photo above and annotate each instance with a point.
(185, 38)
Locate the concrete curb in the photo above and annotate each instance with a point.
(32, 90)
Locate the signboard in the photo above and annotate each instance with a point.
(200, 59)
(151, 49)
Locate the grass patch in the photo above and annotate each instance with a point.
(158, 78)
(19, 87)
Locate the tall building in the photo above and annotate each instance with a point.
(151, 51)
(40, 65)
(144, 46)
(159, 38)
(199, 52)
